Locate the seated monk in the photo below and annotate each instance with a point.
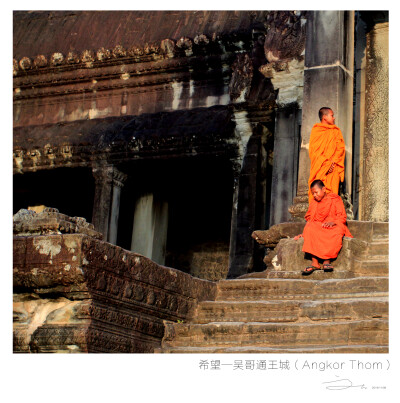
(325, 228)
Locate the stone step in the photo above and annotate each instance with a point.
(356, 349)
(257, 334)
(384, 259)
(380, 230)
(377, 266)
(378, 248)
(381, 238)
(371, 267)
(290, 289)
(319, 275)
(291, 311)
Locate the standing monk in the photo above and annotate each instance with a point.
(326, 152)
(325, 228)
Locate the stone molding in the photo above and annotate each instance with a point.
(149, 52)
(127, 76)
(119, 142)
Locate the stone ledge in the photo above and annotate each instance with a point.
(363, 230)
(285, 253)
(50, 221)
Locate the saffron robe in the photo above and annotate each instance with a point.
(325, 243)
(326, 146)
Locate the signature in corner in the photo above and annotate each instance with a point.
(341, 384)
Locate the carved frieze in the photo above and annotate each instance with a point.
(242, 75)
(284, 48)
(285, 36)
(148, 52)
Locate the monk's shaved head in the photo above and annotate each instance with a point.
(323, 111)
(318, 183)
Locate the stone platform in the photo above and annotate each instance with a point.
(281, 311)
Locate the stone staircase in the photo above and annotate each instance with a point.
(280, 311)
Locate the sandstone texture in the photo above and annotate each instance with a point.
(75, 293)
(281, 311)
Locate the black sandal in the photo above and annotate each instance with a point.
(328, 267)
(310, 269)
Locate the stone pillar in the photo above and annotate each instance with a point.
(150, 225)
(374, 186)
(286, 154)
(108, 184)
(102, 198)
(246, 193)
(119, 179)
(359, 109)
(328, 81)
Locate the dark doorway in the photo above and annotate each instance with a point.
(199, 193)
(70, 190)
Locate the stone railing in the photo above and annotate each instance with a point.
(76, 293)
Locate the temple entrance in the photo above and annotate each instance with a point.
(196, 196)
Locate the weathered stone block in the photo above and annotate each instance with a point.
(272, 236)
(290, 257)
(361, 229)
(380, 229)
(101, 298)
(51, 262)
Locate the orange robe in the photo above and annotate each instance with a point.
(326, 146)
(325, 243)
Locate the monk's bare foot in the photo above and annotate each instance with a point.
(315, 262)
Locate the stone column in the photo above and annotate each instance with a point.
(108, 184)
(150, 225)
(284, 174)
(119, 179)
(374, 183)
(244, 208)
(359, 109)
(102, 198)
(328, 81)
